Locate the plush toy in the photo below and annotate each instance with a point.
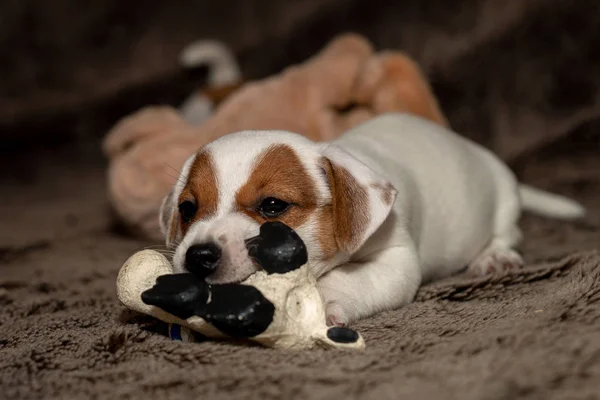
(278, 306)
(342, 86)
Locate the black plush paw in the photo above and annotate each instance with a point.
(236, 310)
(277, 249)
(177, 294)
(342, 335)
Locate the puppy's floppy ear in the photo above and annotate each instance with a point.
(169, 219)
(361, 198)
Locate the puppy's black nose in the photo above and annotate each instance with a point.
(202, 259)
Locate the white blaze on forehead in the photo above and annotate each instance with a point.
(235, 155)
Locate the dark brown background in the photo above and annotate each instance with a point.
(505, 72)
(519, 76)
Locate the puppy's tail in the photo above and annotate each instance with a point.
(549, 204)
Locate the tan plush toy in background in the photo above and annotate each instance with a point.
(278, 306)
(340, 87)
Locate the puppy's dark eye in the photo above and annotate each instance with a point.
(272, 207)
(187, 210)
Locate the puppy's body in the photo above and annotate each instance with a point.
(394, 202)
(452, 193)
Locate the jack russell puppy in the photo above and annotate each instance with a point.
(393, 203)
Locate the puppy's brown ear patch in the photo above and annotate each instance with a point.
(350, 207)
(361, 199)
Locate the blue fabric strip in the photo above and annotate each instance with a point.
(175, 332)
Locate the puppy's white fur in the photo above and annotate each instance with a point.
(456, 205)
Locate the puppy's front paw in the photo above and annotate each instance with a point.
(495, 261)
(336, 316)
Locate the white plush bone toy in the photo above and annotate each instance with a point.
(278, 306)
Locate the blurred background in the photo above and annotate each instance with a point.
(521, 77)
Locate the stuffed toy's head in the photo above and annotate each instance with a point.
(278, 306)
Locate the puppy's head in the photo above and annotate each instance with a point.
(235, 184)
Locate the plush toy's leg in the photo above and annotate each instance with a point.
(392, 81)
(388, 280)
(136, 128)
(236, 310)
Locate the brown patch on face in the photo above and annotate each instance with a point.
(349, 215)
(279, 173)
(386, 192)
(201, 188)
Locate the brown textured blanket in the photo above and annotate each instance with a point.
(519, 77)
(63, 334)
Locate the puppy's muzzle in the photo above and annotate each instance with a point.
(202, 259)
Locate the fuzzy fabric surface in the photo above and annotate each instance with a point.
(520, 77)
(533, 333)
